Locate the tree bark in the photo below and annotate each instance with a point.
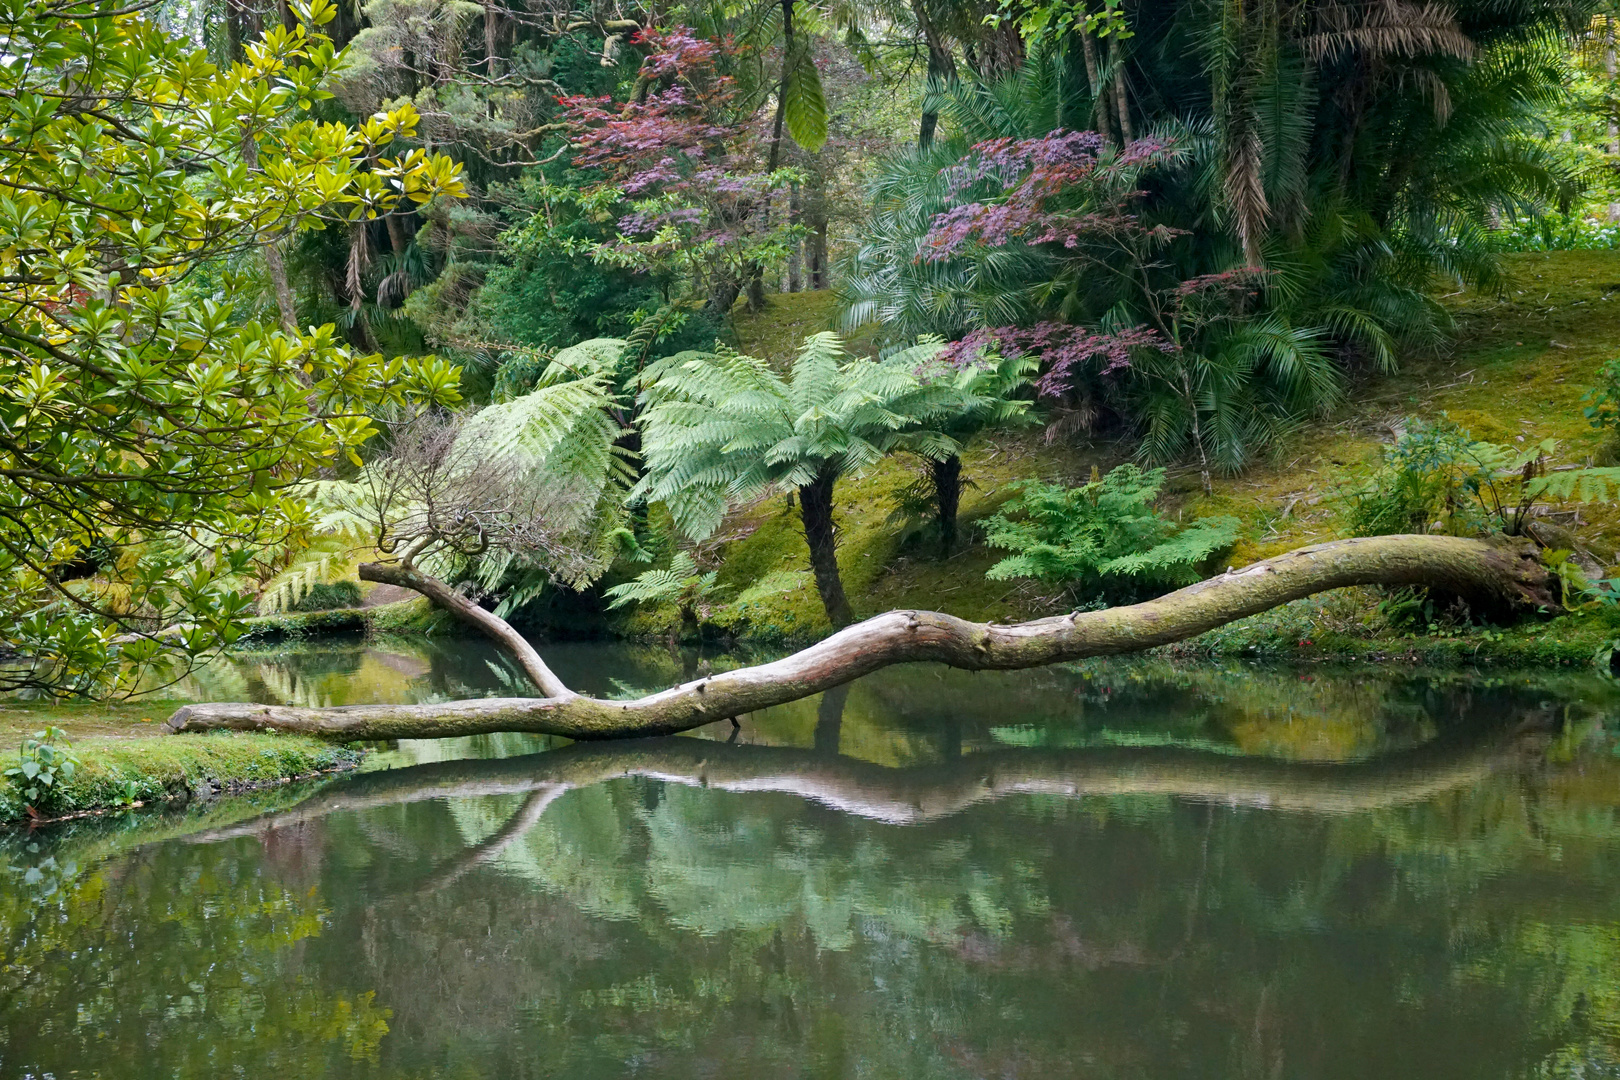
(818, 247)
(286, 307)
(468, 612)
(948, 496)
(1099, 96)
(821, 536)
(941, 69)
(774, 158)
(492, 39)
(756, 272)
(795, 267)
(1497, 572)
(1116, 60)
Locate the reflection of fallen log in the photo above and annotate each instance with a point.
(915, 795)
(490, 848)
(1494, 573)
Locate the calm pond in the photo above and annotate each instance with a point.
(1123, 870)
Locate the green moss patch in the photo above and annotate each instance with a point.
(179, 767)
(414, 616)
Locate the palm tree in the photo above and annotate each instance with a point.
(724, 428)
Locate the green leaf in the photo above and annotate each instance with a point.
(804, 104)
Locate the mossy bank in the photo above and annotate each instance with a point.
(116, 772)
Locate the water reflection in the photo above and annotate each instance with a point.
(979, 892)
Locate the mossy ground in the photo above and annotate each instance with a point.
(414, 616)
(115, 770)
(1515, 369)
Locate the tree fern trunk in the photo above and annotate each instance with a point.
(815, 510)
(948, 495)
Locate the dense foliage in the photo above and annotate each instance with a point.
(232, 233)
(150, 429)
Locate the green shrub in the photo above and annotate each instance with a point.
(1436, 477)
(1601, 404)
(45, 758)
(1103, 537)
(339, 594)
(1432, 475)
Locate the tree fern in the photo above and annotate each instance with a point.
(681, 583)
(724, 428)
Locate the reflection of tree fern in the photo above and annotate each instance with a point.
(325, 558)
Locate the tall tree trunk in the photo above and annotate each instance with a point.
(948, 496)
(397, 239)
(941, 69)
(1099, 94)
(775, 157)
(818, 248)
(1122, 109)
(756, 273)
(286, 306)
(492, 38)
(234, 30)
(1501, 574)
(795, 267)
(820, 535)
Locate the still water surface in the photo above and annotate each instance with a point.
(1119, 871)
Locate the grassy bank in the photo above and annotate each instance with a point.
(117, 771)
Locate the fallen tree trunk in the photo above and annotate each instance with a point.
(1500, 573)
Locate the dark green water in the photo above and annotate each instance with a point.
(1134, 871)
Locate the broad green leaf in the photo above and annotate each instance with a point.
(804, 104)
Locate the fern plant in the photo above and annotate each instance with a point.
(1103, 536)
(1438, 477)
(509, 498)
(724, 428)
(327, 556)
(682, 584)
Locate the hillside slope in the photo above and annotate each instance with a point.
(1516, 369)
